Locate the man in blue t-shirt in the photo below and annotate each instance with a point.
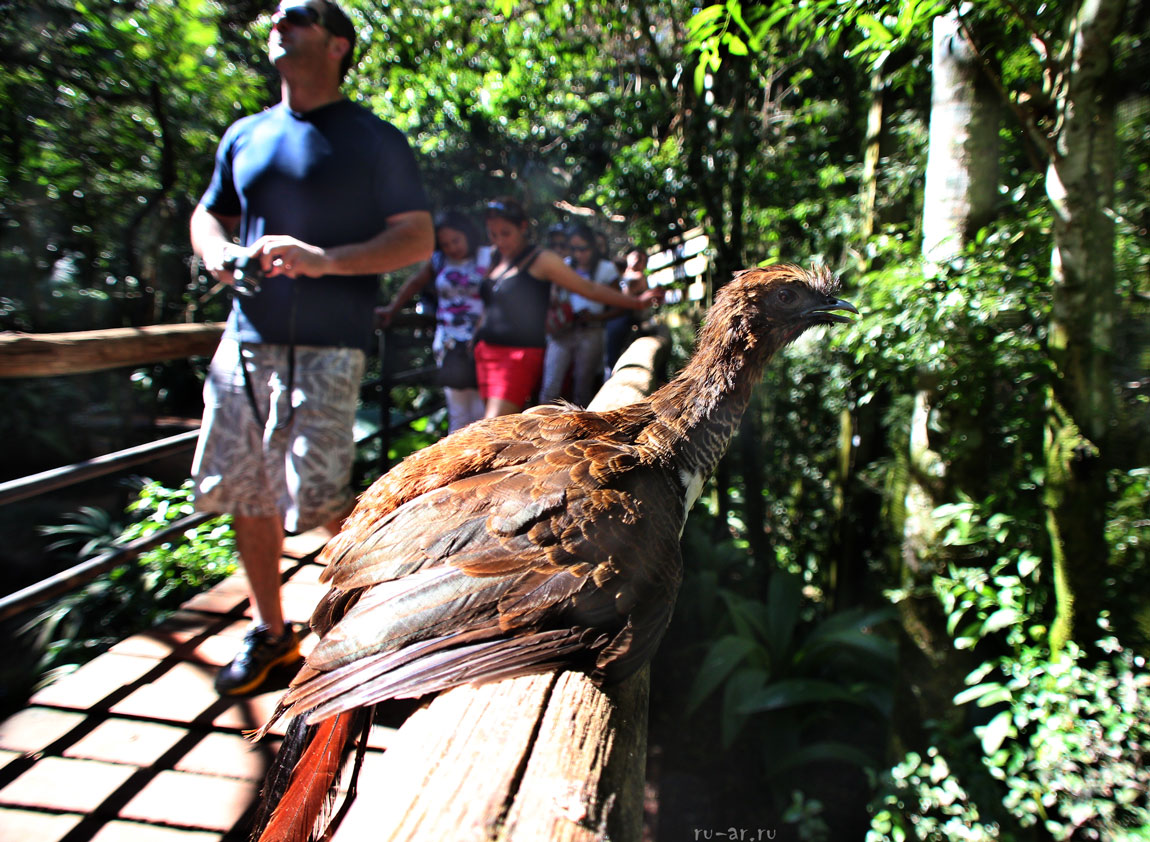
(324, 196)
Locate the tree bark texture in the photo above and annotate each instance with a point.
(1080, 186)
(961, 182)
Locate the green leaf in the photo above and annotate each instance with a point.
(822, 752)
(1000, 619)
(744, 684)
(799, 691)
(735, 45)
(749, 617)
(874, 29)
(852, 630)
(784, 600)
(700, 75)
(995, 732)
(724, 656)
(705, 21)
(971, 694)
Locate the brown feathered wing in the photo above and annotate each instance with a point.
(542, 539)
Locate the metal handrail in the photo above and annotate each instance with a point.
(80, 574)
(56, 478)
(73, 577)
(30, 486)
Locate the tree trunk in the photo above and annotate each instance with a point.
(869, 181)
(961, 179)
(1080, 186)
(962, 159)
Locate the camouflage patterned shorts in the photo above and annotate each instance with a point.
(297, 463)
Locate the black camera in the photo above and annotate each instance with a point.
(247, 274)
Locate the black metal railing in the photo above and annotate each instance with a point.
(403, 360)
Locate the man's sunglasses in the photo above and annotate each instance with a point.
(301, 16)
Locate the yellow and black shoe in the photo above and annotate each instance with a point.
(260, 653)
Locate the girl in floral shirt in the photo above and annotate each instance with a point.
(458, 268)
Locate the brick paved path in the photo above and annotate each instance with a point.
(135, 746)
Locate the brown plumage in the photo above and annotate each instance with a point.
(521, 543)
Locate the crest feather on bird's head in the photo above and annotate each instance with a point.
(767, 307)
(819, 278)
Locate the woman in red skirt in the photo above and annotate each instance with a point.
(512, 335)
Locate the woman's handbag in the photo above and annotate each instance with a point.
(457, 367)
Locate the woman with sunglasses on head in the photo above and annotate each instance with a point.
(576, 348)
(512, 335)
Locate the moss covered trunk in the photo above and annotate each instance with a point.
(1080, 185)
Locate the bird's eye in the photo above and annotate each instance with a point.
(786, 296)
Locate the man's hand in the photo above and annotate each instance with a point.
(212, 240)
(215, 260)
(280, 254)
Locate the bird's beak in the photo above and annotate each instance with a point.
(825, 313)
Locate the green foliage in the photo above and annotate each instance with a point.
(138, 594)
(1128, 536)
(983, 316)
(793, 676)
(927, 801)
(111, 115)
(204, 556)
(733, 29)
(1067, 741)
(1003, 591)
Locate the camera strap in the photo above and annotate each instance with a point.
(250, 389)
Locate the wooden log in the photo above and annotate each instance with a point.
(49, 354)
(542, 757)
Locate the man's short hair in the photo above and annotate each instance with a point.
(335, 20)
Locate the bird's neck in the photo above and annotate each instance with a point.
(697, 413)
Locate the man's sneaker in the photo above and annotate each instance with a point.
(260, 652)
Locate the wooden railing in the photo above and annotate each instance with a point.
(543, 757)
(47, 354)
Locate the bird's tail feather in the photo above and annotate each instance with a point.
(482, 662)
(301, 785)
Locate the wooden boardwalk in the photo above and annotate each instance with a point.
(136, 746)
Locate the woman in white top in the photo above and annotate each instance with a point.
(576, 347)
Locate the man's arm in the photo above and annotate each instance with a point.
(408, 238)
(211, 236)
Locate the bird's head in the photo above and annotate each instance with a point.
(753, 316)
(790, 298)
(770, 307)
